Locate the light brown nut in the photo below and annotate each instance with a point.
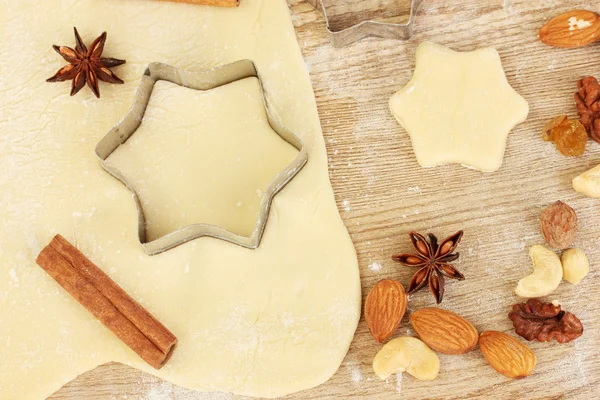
(506, 354)
(546, 276)
(559, 225)
(572, 29)
(588, 183)
(406, 354)
(384, 308)
(575, 265)
(444, 331)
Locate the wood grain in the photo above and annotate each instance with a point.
(382, 194)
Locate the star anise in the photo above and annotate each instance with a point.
(434, 262)
(86, 65)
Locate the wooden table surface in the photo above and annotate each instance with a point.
(382, 194)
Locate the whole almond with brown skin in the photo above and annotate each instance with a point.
(444, 331)
(572, 29)
(506, 354)
(384, 308)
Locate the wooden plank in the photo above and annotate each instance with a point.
(382, 194)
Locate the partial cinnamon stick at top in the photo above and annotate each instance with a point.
(217, 3)
(107, 301)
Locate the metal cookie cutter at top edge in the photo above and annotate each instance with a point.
(365, 29)
(199, 81)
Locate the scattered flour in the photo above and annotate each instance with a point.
(414, 189)
(375, 267)
(13, 275)
(356, 375)
(155, 389)
(159, 391)
(346, 205)
(399, 382)
(287, 320)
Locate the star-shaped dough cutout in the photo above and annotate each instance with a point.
(458, 107)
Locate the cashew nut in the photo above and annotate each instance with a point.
(546, 276)
(575, 265)
(588, 183)
(407, 354)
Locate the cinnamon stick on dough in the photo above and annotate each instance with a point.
(218, 3)
(101, 296)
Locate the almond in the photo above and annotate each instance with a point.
(572, 29)
(506, 354)
(444, 331)
(384, 308)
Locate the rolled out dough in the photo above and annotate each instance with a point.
(458, 107)
(262, 322)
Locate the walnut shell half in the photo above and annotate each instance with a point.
(544, 322)
(587, 99)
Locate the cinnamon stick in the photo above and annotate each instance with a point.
(218, 3)
(108, 302)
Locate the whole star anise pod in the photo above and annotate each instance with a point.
(86, 65)
(587, 99)
(544, 322)
(434, 262)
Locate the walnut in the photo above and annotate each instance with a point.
(544, 322)
(559, 225)
(588, 105)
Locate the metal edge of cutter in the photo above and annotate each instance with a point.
(199, 81)
(365, 29)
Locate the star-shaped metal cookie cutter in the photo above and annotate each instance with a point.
(365, 29)
(199, 81)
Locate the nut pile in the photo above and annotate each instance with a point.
(559, 227)
(438, 330)
(445, 332)
(448, 333)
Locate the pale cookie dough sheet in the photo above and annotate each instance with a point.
(265, 322)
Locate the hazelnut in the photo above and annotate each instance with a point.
(559, 225)
(575, 265)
